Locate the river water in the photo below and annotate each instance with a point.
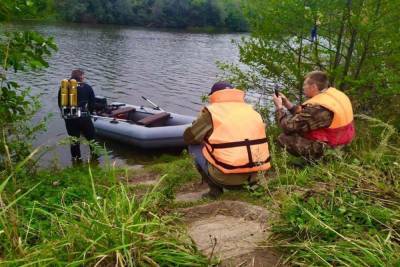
(173, 69)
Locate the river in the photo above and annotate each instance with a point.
(172, 68)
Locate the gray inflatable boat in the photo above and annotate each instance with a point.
(140, 126)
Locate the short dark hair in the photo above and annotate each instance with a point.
(318, 78)
(77, 75)
(221, 85)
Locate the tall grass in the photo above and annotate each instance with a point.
(9, 231)
(179, 171)
(344, 211)
(87, 219)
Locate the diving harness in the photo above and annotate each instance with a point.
(69, 100)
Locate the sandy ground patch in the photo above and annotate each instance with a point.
(191, 192)
(143, 178)
(190, 196)
(231, 231)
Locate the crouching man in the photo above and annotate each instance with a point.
(325, 120)
(228, 141)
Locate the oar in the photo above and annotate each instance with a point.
(152, 103)
(112, 120)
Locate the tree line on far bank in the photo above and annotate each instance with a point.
(220, 14)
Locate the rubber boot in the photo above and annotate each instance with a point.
(214, 192)
(76, 161)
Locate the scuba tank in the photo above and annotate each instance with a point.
(64, 97)
(73, 98)
(69, 99)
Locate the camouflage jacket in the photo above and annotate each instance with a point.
(303, 119)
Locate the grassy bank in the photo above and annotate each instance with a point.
(85, 217)
(343, 211)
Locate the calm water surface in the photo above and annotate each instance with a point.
(173, 69)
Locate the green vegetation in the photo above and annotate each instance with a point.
(19, 51)
(26, 9)
(210, 15)
(180, 171)
(343, 211)
(81, 217)
(75, 216)
(158, 13)
(357, 44)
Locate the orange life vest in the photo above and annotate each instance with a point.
(238, 142)
(342, 130)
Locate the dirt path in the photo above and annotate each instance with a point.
(142, 178)
(231, 231)
(191, 192)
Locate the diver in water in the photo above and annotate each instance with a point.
(76, 100)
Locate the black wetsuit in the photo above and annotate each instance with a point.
(84, 124)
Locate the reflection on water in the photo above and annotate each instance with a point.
(173, 69)
(131, 155)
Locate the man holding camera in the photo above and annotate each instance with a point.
(325, 120)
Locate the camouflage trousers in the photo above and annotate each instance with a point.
(299, 146)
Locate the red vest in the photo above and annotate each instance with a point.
(342, 130)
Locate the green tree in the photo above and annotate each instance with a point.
(19, 51)
(357, 43)
(71, 10)
(156, 13)
(233, 15)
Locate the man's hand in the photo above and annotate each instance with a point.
(284, 98)
(285, 101)
(277, 101)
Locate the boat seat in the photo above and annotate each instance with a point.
(155, 120)
(121, 113)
